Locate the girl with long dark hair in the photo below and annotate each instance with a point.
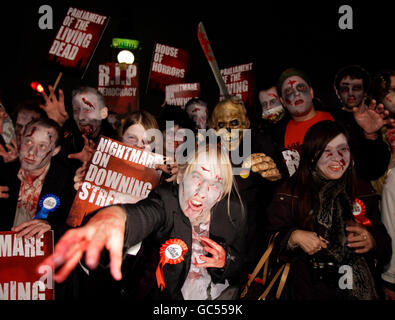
(329, 222)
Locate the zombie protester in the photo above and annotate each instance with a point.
(138, 267)
(329, 223)
(271, 107)
(197, 110)
(388, 218)
(89, 122)
(363, 118)
(202, 238)
(254, 164)
(25, 184)
(383, 90)
(26, 111)
(297, 96)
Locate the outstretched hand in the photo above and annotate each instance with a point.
(104, 230)
(87, 151)
(371, 118)
(54, 107)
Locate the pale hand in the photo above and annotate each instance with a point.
(104, 230)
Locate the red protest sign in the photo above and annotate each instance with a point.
(77, 39)
(19, 259)
(180, 94)
(240, 81)
(117, 173)
(119, 85)
(169, 65)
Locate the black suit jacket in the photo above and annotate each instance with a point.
(58, 181)
(161, 214)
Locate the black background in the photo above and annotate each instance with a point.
(274, 35)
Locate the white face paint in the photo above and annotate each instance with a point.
(136, 136)
(272, 109)
(87, 113)
(23, 118)
(389, 99)
(297, 96)
(351, 92)
(37, 148)
(335, 159)
(200, 190)
(199, 114)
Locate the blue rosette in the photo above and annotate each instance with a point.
(47, 204)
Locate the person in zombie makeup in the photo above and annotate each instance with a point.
(383, 91)
(26, 111)
(363, 118)
(82, 130)
(36, 175)
(200, 223)
(272, 108)
(297, 96)
(328, 218)
(197, 110)
(173, 123)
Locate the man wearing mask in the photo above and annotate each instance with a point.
(363, 118)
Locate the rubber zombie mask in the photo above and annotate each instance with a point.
(88, 112)
(272, 109)
(229, 120)
(38, 146)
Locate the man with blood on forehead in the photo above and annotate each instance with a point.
(89, 122)
(197, 110)
(38, 175)
(296, 95)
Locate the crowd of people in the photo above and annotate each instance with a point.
(322, 178)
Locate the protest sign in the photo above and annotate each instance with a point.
(19, 260)
(117, 173)
(240, 82)
(77, 39)
(169, 65)
(180, 94)
(119, 85)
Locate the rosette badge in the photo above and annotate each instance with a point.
(47, 204)
(172, 252)
(359, 211)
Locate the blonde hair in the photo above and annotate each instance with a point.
(223, 163)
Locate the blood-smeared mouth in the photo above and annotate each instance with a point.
(195, 204)
(29, 160)
(299, 102)
(86, 129)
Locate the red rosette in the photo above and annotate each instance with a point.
(172, 252)
(359, 212)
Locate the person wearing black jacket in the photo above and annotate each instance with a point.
(363, 118)
(328, 219)
(36, 175)
(201, 225)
